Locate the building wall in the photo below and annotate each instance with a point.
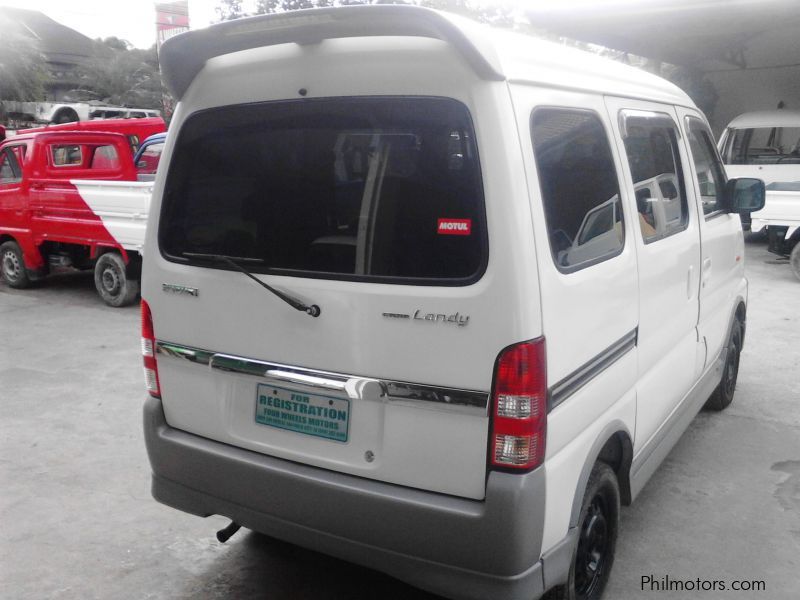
(743, 91)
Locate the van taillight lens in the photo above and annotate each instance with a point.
(149, 352)
(519, 401)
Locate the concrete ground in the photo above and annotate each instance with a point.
(77, 519)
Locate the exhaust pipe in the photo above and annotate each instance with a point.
(223, 535)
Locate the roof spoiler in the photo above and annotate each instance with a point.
(183, 56)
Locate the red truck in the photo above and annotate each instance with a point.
(136, 130)
(71, 200)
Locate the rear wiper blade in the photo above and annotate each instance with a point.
(234, 261)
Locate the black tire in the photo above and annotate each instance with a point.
(65, 115)
(111, 281)
(794, 260)
(593, 555)
(722, 396)
(13, 265)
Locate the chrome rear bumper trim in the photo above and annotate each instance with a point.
(391, 390)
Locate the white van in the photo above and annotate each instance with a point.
(404, 302)
(763, 144)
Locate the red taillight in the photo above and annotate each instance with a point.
(149, 352)
(519, 405)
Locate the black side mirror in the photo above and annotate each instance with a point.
(744, 195)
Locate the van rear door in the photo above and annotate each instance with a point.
(372, 209)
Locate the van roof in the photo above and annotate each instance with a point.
(493, 54)
(766, 118)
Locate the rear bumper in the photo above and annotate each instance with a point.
(451, 546)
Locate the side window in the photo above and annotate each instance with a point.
(66, 156)
(651, 144)
(9, 167)
(707, 165)
(105, 157)
(579, 185)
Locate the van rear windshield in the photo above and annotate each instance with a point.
(348, 188)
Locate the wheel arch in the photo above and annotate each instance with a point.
(614, 446)
(131, 258)
(65, 114)
(98, 250)
(740, 314)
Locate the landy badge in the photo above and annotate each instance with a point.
(454, 318)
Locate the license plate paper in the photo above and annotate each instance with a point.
(313, 414)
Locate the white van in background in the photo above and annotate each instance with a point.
(763, 144)
(406, 303)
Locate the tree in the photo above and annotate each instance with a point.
(227, 10)
(116, 43)
(121, 75)
(23, 68)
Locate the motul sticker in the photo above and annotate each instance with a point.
(454, 227)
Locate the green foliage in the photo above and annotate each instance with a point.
(227, 10)
(121, 75)
(115, 43)
(23, 69)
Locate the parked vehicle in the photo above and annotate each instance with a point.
(764, 144)
(780, 217)
(51, 217)
(403, 303)
(21, 113)
(135, 130)
(148, 156)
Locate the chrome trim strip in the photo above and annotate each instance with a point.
(331, 384)
(570, 384)
(391, 390)
(417, 392)
(195, 355)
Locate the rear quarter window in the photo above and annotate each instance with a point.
(579, 187)
(351, 188)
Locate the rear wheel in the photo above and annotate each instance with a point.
(111, 281)
(13, 265)
(723, 395)
(794, 259)
(593, 556)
